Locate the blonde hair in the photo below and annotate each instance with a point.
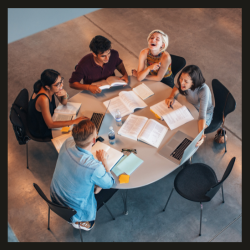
(164, 38)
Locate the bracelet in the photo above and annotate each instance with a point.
(66, 97)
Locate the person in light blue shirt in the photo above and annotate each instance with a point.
(78, 176)
(191, 84)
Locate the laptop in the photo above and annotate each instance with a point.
(180, 147)
(97, 119)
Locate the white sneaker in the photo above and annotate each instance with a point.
(85, 225)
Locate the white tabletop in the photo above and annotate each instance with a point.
(154, 166)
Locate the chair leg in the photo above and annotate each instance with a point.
(80, 232)
(27, 154)
(168, 199)
(109, 211)
(124, 198)
(48, 217)
(225, 143)
(223, 201)
(200, 218)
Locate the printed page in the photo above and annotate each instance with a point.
(143, 91)
(132, 126)
(58, 141)
(116, 103)
(104, 83)
(153, 133)
(161, 108)
(131, 100)
(69, 108)
(115, 81)
(178, 117)
(62, 117)
(99, 145)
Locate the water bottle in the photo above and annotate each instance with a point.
(111, 135)
(118, 117)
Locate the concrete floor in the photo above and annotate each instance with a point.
(209, 38)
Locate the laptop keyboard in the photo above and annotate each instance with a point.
(178, 152)
(97, 120)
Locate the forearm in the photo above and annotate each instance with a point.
(201, 124)
(64, 99)
(104, 162)
(122, 69)
(141, 75)
(59, 124)
(153, 78)
(174, 93)
(79, 86)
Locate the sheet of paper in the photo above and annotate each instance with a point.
(153, 133)
(131, 100)
(62, 117)
(161, 108)
(143, 91)
(99, 145)
(132, 126)
(178, 118)
(58, 141)
(115, 81)
(69, 108)
(116, 103)
(129, 164)
(116, 170)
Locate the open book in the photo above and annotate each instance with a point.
(175, 117)
(143, 129)
(66, 112)
(111, 81)
(143, 91)
(126, 102)
(113, 155)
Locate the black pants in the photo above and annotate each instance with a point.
(103, 196)
(169, 81)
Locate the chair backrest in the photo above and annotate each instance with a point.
(213, 190)
(177, 64)
(223, 99)
(65, 212)
(19, 114)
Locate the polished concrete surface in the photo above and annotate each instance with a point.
(209, 38)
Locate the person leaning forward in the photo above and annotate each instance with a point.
(97, 66)
(78, 176)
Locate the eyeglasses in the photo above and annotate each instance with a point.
(59, 83)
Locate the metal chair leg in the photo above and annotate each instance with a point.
(225, 143)
(27, 154)
(80, 232)
(48, 217)
(124, 198)
(168, 199)
(200, 218)
(109, 211)
(223, 201)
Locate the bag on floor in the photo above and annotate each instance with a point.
(219, 137)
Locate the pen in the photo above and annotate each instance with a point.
(171, 106)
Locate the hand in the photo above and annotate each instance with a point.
(61, 92)
(200, 141)
(77, 120)
(101, 155)
(95, 89)
(97, 189)
(125, 79)
(155, 66)
(170, 101)
(134, 72)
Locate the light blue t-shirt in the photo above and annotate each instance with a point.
(76, 173)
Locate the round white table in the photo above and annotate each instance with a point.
(154, 166)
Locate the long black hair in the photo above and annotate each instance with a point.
(196, 77)
(48, 77)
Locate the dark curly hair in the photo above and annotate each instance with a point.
(196, 76)
(99, 44)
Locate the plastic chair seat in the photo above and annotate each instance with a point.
(194, 181)
(215, 124)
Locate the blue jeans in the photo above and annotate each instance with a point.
(209, 118)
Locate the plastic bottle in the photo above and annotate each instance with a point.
(118, 117)
(111, 135)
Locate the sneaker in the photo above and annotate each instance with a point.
(85, 225)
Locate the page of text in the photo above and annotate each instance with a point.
(58, 141)
(143, 91)
(153, 133)
(132, 126)
(178, 118)
(69, 108)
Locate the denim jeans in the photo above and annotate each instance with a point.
(209, 118)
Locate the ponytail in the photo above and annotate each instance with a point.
(37, 86)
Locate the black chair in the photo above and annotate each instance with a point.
(177, 64)
(198, 182)
(19, 120)
(224, 104)
(66, 212)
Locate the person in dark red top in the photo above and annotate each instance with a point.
(97, 66)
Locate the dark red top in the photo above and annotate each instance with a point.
(90, 72)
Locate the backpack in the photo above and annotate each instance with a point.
(18, 116)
